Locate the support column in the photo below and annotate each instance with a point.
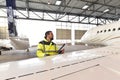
(11, 6)
(73, 35)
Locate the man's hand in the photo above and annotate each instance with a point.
(47, 54)
(61, 52)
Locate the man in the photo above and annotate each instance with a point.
(47, 47)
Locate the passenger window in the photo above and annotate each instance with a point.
(119, 28)
(97, 31)
(101, 31)
(104, 30)
(113, 29)
(109, 30)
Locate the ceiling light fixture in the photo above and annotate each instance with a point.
(58, 2)
(48, 2)
(85, 7)
(106, 10)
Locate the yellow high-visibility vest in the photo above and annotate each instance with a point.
(46, 48)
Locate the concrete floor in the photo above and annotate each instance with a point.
(14, 55)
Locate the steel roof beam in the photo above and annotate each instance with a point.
(67, 6)
(100, 3)
(90, 6)
(100, 7)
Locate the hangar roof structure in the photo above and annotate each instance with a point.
(75, 11)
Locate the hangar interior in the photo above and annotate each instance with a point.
(75, 11)
(68, 19)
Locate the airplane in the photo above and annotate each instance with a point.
(93, 64)
(111, 33)
(20, 43)
(12, 43)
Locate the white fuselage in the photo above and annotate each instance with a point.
(106, 35)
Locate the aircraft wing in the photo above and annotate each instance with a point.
(94, 64)
(20, 43)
